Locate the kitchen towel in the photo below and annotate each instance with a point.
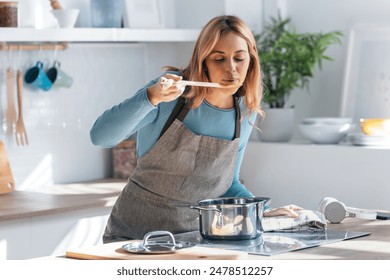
(308, 220)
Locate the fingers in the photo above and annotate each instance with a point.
(168, 81)
(288, 210)
(167, 84)
(292, 207)
(165, 89)
(281, 212)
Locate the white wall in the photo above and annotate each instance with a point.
(324, 96)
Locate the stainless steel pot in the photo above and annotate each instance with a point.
(231, 218)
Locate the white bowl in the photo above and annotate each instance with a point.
(326, 120)
(66, 18)
(320, 133)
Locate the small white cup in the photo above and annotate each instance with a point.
(66, 18)
(58, 77)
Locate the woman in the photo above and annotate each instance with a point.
(190, 141)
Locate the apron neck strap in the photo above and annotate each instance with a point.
(238, 117)
(181, 110)
(176, 111)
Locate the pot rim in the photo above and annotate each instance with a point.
(233, 201)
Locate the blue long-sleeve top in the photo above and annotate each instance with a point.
(137, 114)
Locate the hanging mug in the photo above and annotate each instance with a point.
(36, 77)
(58, 77)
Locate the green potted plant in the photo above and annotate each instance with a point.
(288, 60)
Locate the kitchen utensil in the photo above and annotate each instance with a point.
(58, 77)
(20, 134)
(326, 120)
(231, 218)
(66, 18)
(9, 13)
(11, 112)
(36, 77)
(7, 183)
(325, 133)
(114, 251)
(360, 139)
(169, 82)
(375, 127)
(158, 246)
(204, 84)
(106, 13)
(55, 5)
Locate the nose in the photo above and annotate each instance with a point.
(231, 66)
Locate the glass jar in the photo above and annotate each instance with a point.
(124, 159)
(9, 14)
(106, 13)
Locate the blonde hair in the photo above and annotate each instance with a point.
(251, 90)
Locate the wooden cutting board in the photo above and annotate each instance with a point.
(114, 251)
(7, 183)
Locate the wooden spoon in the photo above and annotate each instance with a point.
(169, 82)
(55, 5)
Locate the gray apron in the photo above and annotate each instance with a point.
(179, 170)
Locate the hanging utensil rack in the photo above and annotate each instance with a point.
(32, 47)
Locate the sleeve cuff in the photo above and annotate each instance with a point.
(147, 101)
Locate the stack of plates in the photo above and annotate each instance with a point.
(361, 139)
(374, 132)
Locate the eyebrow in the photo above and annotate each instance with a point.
(222, 52)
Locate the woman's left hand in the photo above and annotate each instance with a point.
(288, 210)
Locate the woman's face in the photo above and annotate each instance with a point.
(228, 62)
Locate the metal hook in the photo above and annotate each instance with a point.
(40, 53)
(19, 49)
(9, 55)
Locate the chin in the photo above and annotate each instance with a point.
(229, 91)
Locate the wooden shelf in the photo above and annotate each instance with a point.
(97, 35)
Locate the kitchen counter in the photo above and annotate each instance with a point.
(30, 208)
(60, 198)
(370, 247)
(49, 220)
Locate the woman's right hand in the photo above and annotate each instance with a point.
(165, 89)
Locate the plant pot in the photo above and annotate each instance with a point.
(277, 125)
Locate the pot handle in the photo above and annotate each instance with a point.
(204, 208)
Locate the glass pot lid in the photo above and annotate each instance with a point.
(157, 246)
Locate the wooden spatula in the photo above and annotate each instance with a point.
(11, 112)
(20, 134)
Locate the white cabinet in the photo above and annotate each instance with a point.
(51, 235)
(303, 174)
(15, 241)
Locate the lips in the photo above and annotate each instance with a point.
(230, 81)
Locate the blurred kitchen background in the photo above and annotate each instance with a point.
(107, 71)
